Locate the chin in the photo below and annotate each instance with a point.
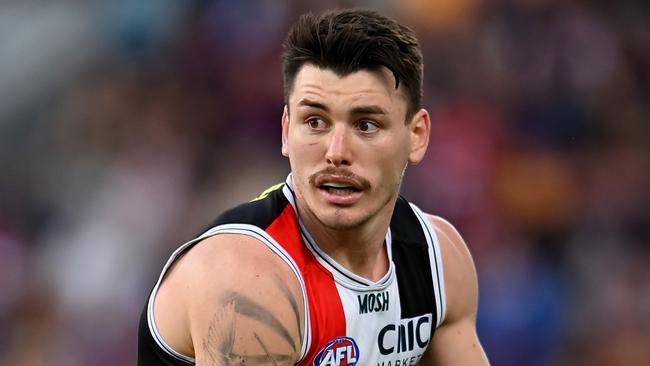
(340, 220)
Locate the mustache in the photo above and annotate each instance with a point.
(356, 180)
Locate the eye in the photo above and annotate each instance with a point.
(367, 126)
(316, 123)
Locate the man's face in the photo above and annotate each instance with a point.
(348, 144)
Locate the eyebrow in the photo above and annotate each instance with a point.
(366, 109)
(312, 104)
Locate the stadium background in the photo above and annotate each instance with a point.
(125, 126)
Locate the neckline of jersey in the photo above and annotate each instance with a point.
(341, 275)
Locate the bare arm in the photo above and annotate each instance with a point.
(241, 304)
(455, 342)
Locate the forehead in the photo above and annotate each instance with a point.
(359, 87)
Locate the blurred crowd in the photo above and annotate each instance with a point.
(126, 126)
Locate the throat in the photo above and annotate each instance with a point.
(373, 266)
(353, 239)
(366, 260)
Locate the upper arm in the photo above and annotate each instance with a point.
(455, 342)
(243, 304)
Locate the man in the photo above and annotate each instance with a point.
(331, 267)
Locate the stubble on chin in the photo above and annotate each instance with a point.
(349, 218)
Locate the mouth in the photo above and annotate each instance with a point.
(339, 190)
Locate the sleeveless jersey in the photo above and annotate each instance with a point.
(349, 320)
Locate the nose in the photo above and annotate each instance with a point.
(338, 148)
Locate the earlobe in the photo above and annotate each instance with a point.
(285, 131)
(420, 129)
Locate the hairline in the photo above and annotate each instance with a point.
(399, 87)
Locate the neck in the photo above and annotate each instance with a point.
(361, 250)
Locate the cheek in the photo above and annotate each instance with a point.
(387, 173)
(394, 157)
(303, 157)
(302, 154)
(306, 150)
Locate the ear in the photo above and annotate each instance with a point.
(420, 127)
(285, 131)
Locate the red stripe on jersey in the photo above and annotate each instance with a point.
(325, 308)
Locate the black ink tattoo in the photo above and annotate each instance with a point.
(219, 342)
(251, 309)
(268, 355)
(292, 301)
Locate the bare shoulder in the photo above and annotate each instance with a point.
(455, 342)
(232, 299)
(460, 273)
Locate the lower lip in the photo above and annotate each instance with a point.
(340, 200)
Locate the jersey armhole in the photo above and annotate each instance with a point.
(151, 320)
(435, 260)
(241, 229)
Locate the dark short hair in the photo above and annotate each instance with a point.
(346, 41)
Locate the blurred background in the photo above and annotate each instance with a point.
(126, 126)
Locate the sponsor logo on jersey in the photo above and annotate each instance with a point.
(405, 336)
(408, 361)
(342, 351)
(373, 302)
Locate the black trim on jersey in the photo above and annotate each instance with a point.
(149, 352)
(412, 266)
(260, 212)
(439, 304)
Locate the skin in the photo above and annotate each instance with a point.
(336, 130)
(455, 342)
(323, 132)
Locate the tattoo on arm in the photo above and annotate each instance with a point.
(220, 339)
(269, 357)
(292, 301)
(249, 308)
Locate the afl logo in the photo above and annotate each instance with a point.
(342, 351)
